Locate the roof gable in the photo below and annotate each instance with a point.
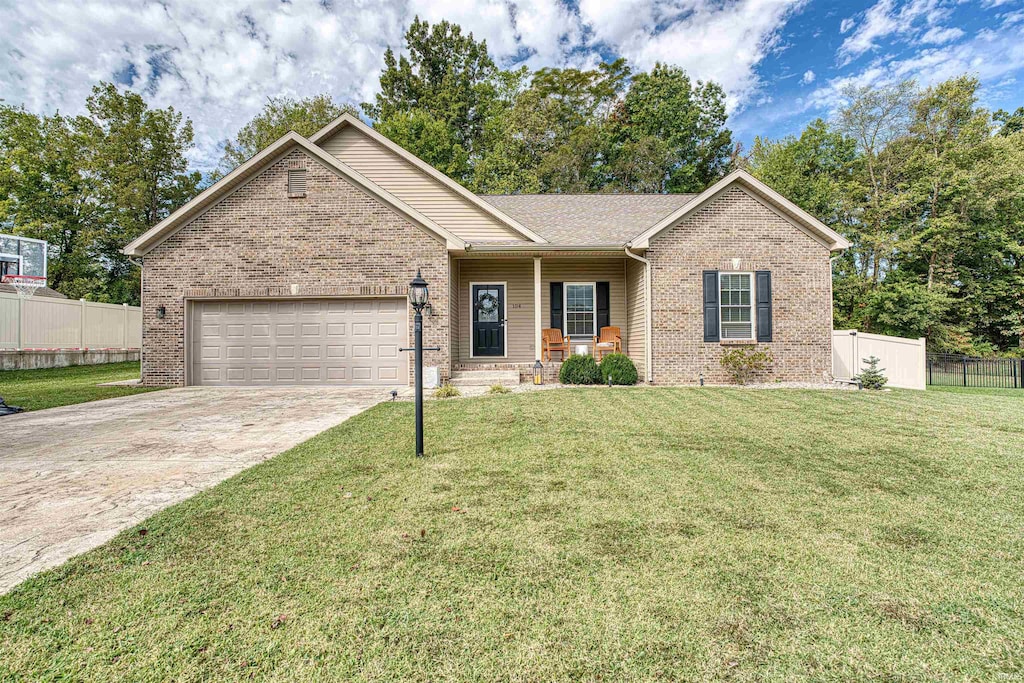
(418, 183)
(833, 240)
(248, 170)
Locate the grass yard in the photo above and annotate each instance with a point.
(589, 534)
(51, 387)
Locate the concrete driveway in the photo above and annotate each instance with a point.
(73, 477)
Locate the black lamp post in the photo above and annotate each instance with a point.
(418, 297)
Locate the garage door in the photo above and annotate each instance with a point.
(309, 341)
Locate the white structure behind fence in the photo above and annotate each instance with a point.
(50, 323)
(904, 360)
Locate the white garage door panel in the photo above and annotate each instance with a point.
(313, 341)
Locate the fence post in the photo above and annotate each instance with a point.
(81, 324)
(124, 326)
(930, 371)
(964, 361)
(21, 322)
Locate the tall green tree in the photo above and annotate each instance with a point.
(138, 158)
(279, 115)
(92, 183)
(443, 86)
(47, 192)
(933, 204)
(666, 118)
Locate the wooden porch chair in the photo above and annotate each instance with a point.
(608, 341)
(551, 339)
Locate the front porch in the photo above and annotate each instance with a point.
(501, 303)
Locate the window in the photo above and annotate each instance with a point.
(735, 305)
(580, 311)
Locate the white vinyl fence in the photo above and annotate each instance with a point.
(904, 360)
(49, 323)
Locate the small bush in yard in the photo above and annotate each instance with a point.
(620, 368)
(499, 389)
(872, 377)
(742, 365)
(446, 390)
(579, 369)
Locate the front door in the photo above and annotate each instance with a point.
(488, 320)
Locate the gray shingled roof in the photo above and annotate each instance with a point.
(588, 219)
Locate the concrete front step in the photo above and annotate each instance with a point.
(484, 378)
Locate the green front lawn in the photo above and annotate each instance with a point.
(590, 534)
(38, 389)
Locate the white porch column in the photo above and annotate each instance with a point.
(537, 316)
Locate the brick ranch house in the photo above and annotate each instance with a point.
(293, 269)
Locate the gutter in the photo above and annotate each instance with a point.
(648, 332)
(530, 247)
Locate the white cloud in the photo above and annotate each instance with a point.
(218, 61)
(991, 55)
(808, 77)
(847, 24)
(710, 40)
(883, 19)
(215, 61)
(938, 35)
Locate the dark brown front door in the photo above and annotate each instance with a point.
(488, 320)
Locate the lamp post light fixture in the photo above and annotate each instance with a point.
(419, 296)
(537, 377)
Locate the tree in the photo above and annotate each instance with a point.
(47, 193)
(933, 204)
(1009, 123)
(446, 83)
(278, 116)
(137, 156)
(668, 120)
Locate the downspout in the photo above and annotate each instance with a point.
(648, 334)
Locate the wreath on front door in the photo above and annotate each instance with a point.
(487, 302)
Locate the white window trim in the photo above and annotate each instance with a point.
(504, 311)
(565, 306)
(753, 306)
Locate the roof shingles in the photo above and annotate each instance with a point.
(588, 219)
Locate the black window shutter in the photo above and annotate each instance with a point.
(556, 306)
(604, 315)
(711, 306)
(764, 305)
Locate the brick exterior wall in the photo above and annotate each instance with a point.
(737, 225)
(259, 243)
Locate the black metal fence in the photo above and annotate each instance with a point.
(953, 370)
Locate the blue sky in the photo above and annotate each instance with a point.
(782, 62)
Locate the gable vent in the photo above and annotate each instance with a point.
(297, 182)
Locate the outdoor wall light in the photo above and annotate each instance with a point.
(161, 312)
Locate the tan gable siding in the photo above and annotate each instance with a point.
(415, 187)
(587, 270)
(636, 331)
(518, 276)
